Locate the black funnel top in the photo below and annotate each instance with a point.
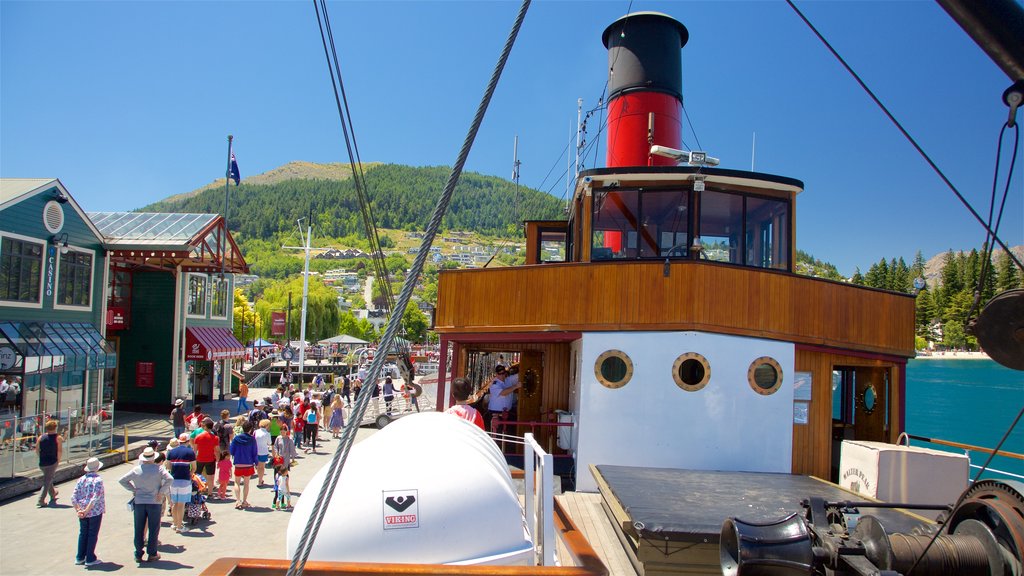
(644, 54)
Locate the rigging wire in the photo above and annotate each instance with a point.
(986, 262)
(341, 454)
(903, 131)
(991, 233)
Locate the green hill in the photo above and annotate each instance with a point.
(402, 197)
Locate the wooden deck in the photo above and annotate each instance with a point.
(585, 510)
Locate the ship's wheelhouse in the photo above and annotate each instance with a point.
(676, 213)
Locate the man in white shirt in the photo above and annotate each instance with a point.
(500, 402)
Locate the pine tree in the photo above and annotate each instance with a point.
(857, 277)
(900, 274)
(951, 279)
(1007, 275)
(917, 268)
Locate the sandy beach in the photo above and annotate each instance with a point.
(952, 355)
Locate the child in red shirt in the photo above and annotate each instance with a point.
(223, 473)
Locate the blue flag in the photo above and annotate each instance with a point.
(234, 170)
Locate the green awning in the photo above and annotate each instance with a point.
(57, 346)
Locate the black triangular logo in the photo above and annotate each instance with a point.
(401, 503)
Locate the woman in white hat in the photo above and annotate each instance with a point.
(90, 504)
(149, 483)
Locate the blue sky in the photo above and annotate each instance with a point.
(131, 102)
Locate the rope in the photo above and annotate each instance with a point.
(903, 131)
(341, 454)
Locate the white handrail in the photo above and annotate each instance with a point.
(539, 493)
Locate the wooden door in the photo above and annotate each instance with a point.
(870, 402)
(531, 369)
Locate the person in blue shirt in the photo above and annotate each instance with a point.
(244, 455)
(182, 463)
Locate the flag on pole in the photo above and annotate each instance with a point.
(234, 170)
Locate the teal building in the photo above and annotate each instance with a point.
(54, 359)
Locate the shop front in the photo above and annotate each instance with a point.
(208, 354)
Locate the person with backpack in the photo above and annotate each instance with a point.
(224, 429)
(257, 415)
(194, 421)
(311, 421)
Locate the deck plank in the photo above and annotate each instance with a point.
(585, 510)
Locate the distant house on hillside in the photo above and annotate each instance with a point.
(346, 254)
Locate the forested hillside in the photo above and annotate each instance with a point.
(402, 197)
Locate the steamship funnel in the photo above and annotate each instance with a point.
(645, 87)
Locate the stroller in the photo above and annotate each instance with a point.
(196, 508)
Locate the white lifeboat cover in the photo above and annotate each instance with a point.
(430, 488)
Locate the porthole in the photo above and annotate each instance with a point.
(691, 371)
(765, 375)
(868, 399)
(613, 369)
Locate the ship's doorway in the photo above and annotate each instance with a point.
(860, 407)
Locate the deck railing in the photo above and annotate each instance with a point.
(968, 448)
(538, 489)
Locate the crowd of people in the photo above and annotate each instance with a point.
(217, 459)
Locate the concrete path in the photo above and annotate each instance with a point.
(44, 540)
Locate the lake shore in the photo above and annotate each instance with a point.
(952, 355)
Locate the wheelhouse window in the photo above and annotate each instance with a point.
(615, 224)
(767, 233)
(196, 295)
(731, 226)
(219, 308)
(721, 226)
(553, 247)
(21, 270)
(74, 281)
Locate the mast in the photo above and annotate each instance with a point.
(305, 296)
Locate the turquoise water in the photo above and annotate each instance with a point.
(967, 401)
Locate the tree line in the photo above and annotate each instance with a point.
(945, 306)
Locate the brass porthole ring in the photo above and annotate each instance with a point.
(613, 369)
(691, 371)
(765, 375)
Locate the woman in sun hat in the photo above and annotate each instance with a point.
(178, 417)
(90, 504)
(149, 483)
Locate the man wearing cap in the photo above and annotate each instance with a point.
(182, 461)
(90, 503)
(206, 444)
(178, 417)
(501, 399)
(148, 482)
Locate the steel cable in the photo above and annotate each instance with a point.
(305, 545)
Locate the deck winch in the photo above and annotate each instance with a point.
(984, 535)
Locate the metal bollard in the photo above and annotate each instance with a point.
(125, 443)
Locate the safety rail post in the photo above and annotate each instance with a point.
(542, 528)
(125, 443)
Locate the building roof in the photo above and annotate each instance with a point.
(150, 228)
(15, 190)
(196, 242)
(11, 188)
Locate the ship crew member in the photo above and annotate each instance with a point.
(500, 402)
